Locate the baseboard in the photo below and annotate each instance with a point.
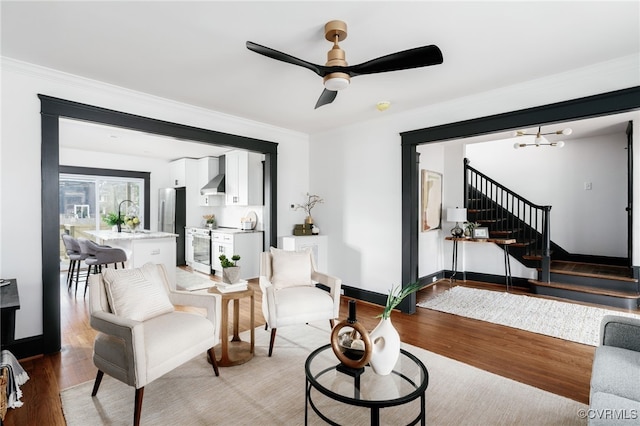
(489, 278)
(364, 295)
(26, 348)
(381, 299)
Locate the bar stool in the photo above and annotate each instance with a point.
(75, 255)
(99, 256)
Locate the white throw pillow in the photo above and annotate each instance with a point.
(290, 268)
(138, 294)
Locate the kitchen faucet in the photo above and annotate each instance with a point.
(119, 224)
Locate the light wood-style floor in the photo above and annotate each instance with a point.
(555, 365)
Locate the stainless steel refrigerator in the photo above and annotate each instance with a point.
(172, 216)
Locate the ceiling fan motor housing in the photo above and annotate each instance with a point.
(336, 31)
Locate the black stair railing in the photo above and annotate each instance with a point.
(509, 215)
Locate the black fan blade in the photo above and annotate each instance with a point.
(326, 97)
(407, 59)
(280, 56)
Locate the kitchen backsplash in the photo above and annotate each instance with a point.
(230, 216)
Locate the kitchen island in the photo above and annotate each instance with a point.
(142, 247)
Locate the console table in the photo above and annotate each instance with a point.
(9, 304)
(504, 242)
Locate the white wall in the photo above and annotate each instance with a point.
(357, 169)
(591, 222)
(20, 187)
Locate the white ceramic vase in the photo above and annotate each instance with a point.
(386, 347)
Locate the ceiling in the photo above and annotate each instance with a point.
(195, 53)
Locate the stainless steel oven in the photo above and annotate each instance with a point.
(199, 246)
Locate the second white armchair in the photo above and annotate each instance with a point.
(289, 292)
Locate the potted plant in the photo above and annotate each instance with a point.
(210, 220)
(469, 227)
(385, 338)
(230, 268)
(312, 200)
(112, 219)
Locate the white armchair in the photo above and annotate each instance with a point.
(140, 335)
(289, 292)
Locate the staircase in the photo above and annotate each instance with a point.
(560, 274)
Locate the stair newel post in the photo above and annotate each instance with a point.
(467, 191)
(546, 246)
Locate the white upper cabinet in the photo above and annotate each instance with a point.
(243, 178)
(178, 172)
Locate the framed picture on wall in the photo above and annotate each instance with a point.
(431, 203)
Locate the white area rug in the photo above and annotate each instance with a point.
(271, 391)
(568, 321)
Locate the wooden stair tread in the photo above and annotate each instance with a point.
(591, 270)
(590, 290)
(532, 257)
(505, 231)
(490, 220)
(522, 244)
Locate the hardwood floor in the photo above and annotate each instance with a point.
(555, 365)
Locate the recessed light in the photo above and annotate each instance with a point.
(383, 105)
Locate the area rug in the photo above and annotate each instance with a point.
(271, 391)
(568, 321)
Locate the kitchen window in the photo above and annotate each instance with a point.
(85, 198)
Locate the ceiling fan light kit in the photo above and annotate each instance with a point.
(336, 73)
(540, 139)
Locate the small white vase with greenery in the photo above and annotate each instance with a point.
(385, 338)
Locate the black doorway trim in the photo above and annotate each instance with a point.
(592, 106)
(54, 108)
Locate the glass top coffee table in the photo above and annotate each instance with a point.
(324, 378)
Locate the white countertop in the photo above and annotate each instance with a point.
(223, 230)
(139, 235)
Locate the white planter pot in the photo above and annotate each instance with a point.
(386, 347)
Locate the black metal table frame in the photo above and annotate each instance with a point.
(507, 263)
(375, 406)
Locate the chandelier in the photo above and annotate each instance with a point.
(540, 139)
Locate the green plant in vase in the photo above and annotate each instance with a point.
(397, 295)
(112, 219)
(385, 338)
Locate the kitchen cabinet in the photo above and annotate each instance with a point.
(243, 178)
(317, 243)
(207, 169)
(178, 172)
(143, 247)
(188, 248)
(248, 245)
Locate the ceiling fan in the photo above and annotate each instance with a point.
(337, 74)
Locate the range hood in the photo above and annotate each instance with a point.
(216, 185)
